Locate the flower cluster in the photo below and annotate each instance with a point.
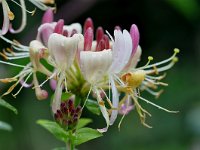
(85, 65)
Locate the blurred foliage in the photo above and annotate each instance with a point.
(164, 25)
(189, 8)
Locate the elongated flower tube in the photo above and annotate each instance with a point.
(94, 66)
(62, 51)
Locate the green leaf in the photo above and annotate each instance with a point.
(86, 134)
(55, 129)
(8, 106)
(93, 106)
(83, 122)
(5, 126)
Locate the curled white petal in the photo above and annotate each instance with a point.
(122, 48)
(24, 19)
(6, 18)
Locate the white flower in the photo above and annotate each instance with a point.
(62, 52)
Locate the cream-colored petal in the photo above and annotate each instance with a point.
(63, 49)
(95, 65)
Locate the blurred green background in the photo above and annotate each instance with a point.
(164, 25)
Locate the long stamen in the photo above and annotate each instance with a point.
(15, 53)
(108, 100)
(24, 8)
(150, 58)
(52, 76)
(170, 65)
(40, 5)
(22, 85)
(87, 97)
(12, 64)
(156, 94)
(17, 57)
(159, 107)
(156, 83)
(14, 43)
(176, 51)
(156, 78)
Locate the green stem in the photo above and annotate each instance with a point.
(70, 144)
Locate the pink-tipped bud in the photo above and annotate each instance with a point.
(59, 27)
(65, 33)
(88, 38)
(88, 24)
(48, 16)
(99, 34)
(135, 36)
(107, 43)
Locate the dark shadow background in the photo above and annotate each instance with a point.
(164, 25)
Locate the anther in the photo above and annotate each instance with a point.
(176, 50)
(150, 58)
(175, 59)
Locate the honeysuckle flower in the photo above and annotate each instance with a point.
(94, 66)
(141, 79)
(95, 61)
(62, 52)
